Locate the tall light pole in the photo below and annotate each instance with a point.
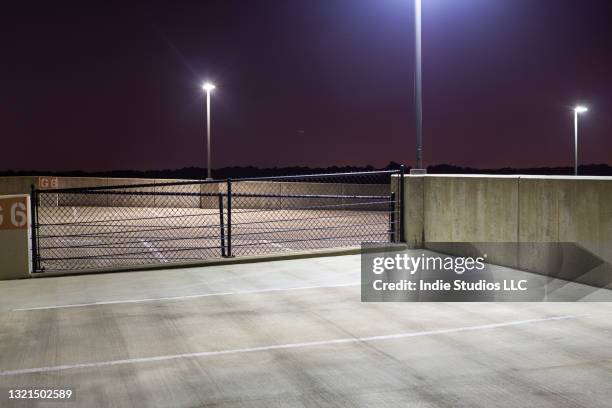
(577, 110)
(418, 91)
(208, 87)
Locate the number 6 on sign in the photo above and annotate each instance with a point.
(19, 215)
(13, 213)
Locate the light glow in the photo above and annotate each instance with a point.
(580, 109)
(208, 86)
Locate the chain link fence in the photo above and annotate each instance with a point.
(181, 222)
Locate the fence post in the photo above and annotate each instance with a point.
(221, 224)
(229, 217)
(34, 227)
(392, 218)
(401, 204)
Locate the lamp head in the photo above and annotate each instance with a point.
(580, 109)
(208, 86)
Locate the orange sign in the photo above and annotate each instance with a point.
(13, 213)
(48, 182)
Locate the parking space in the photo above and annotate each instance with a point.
(294, 333)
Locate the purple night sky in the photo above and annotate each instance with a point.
(116, 85)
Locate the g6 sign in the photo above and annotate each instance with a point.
(48, 182)
(13, 213)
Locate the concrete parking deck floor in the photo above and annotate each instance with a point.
(293, 334)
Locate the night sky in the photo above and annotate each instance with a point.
(117, 85)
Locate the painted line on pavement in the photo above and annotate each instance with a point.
(282, 346)
(203, 295)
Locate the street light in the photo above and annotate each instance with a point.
(208, 87)
(418, 92)
(577, 110)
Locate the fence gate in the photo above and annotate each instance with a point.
(122, 226)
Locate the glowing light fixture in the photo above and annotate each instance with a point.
(208, 86)
(578, 109)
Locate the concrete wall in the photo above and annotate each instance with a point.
(550, 225)
(22, 185)
(302, 188)
(14, 237)
(17, 185)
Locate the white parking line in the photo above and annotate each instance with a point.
(275, 244)
(282, 346)
(154, 250)
(85, 241)
(203, 295)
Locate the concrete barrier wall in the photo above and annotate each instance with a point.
(256, 187)
(532, 218)
(306, 188)
(22, 185)
(311, 189)
(14, 237)
(86, 200)
(17, 185)
(567, 211)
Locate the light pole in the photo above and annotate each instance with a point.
(418, 93)
(208, 87)
(577, 110)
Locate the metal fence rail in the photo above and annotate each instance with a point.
(157, 223)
